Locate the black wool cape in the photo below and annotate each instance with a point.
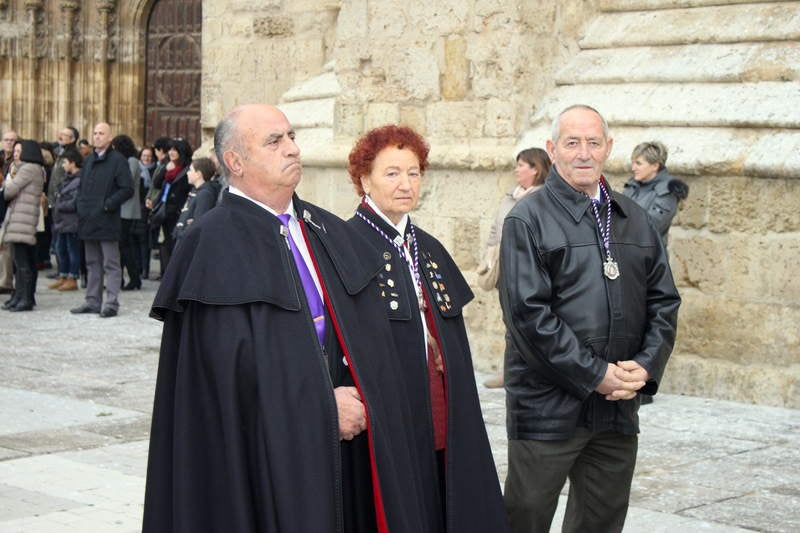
(473, 499)
(245, 433)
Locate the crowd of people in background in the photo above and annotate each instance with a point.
(123, 203)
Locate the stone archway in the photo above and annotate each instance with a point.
(173, 71)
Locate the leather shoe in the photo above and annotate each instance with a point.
(108, 312)
(69, 285)
(84, 309)
(6, 290)
(132, 286)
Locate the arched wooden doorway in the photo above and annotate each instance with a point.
(174, 63)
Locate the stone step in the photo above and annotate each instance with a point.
(641, 5)
(745, 105)
(735, 23)
(325, 85)
(313, 113)
(768, 153)
(772, 61)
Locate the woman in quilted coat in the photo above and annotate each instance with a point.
(22, 193)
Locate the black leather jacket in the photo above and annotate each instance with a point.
(565, 320)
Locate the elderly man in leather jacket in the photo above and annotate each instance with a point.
(590, 308)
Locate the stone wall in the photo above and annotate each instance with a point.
(472, 79)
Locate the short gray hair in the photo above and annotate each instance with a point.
(557, 121)
(226, 137)
(653, 152)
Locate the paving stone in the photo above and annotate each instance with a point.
(54, 440)
(767, 511)
(25, 411)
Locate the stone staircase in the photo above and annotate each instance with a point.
(717, 81)
(310, 107)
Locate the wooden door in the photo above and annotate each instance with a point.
(174, 66)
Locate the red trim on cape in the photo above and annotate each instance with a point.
(431, 323)
(380, 512)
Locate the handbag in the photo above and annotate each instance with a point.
(489, 269)
(157, 215)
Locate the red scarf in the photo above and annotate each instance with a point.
(170, 175)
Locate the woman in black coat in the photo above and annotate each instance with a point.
(424, 294)
(175, 190)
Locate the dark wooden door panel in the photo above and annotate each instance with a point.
(174, 63)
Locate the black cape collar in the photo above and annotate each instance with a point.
(575, 202)
(234, 255)
(347, 252)
(379, 221)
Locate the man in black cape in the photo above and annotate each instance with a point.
(263, 422)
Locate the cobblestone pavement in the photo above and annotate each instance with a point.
(76, 396)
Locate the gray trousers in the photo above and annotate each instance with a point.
(102, 266)
(600, 469)
(7, 266)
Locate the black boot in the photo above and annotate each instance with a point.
(11, 302)
(25, 289)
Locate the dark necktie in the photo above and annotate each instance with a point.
(315, 304)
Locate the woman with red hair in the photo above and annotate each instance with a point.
(424, 294)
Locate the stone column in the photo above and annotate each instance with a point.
(105, 8)
(31, 53)
(64, 69)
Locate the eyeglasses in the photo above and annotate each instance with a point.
(9, 140)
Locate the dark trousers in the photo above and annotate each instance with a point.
(68, 252)
(166, 247)
(25, 273)
(600, 470)
(129, 250)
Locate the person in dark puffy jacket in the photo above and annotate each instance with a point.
(653, 187)
(65, 222)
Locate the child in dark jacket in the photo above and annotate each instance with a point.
(65, 222)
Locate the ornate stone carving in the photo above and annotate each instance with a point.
(70, 5)
(42, 37)
(76, 44)
(106, 5)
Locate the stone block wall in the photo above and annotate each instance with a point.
(467, 76)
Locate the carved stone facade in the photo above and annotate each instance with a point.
(717, 81)
(70, 62)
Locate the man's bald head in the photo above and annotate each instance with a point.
(256, 151)
(101, 136)
(231, 130)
